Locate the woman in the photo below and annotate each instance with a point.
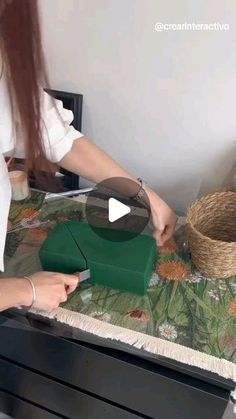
(33, 127)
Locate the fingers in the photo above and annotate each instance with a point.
(71, 288)
(158, 237)
(164, 235)
(168, 233)
(71, 282)
(63, 298)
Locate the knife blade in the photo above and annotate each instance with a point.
(83, 275)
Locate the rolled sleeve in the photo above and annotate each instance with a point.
(58, 134)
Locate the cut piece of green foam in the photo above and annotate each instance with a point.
(126, 265)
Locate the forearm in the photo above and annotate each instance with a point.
(14, 292)
(89, 161)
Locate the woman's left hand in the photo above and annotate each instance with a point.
(163, 218)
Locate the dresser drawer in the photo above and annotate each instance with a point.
(21, 409)
(55, 397)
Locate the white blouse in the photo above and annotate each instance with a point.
(58, 137)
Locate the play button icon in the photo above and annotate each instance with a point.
(109, 206)
(116, 210)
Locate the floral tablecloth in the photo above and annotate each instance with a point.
(184, 316)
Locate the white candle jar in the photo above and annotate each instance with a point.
(19, 182)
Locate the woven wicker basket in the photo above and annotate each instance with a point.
(211, 230)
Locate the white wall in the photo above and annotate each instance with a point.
(162, 104)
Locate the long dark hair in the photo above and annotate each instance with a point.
(24, 66)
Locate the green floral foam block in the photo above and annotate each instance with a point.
(117, 259)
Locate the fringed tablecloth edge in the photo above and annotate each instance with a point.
(142, 341)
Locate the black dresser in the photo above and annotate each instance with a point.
(48, 370)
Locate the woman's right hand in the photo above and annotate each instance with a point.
(51, 289)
